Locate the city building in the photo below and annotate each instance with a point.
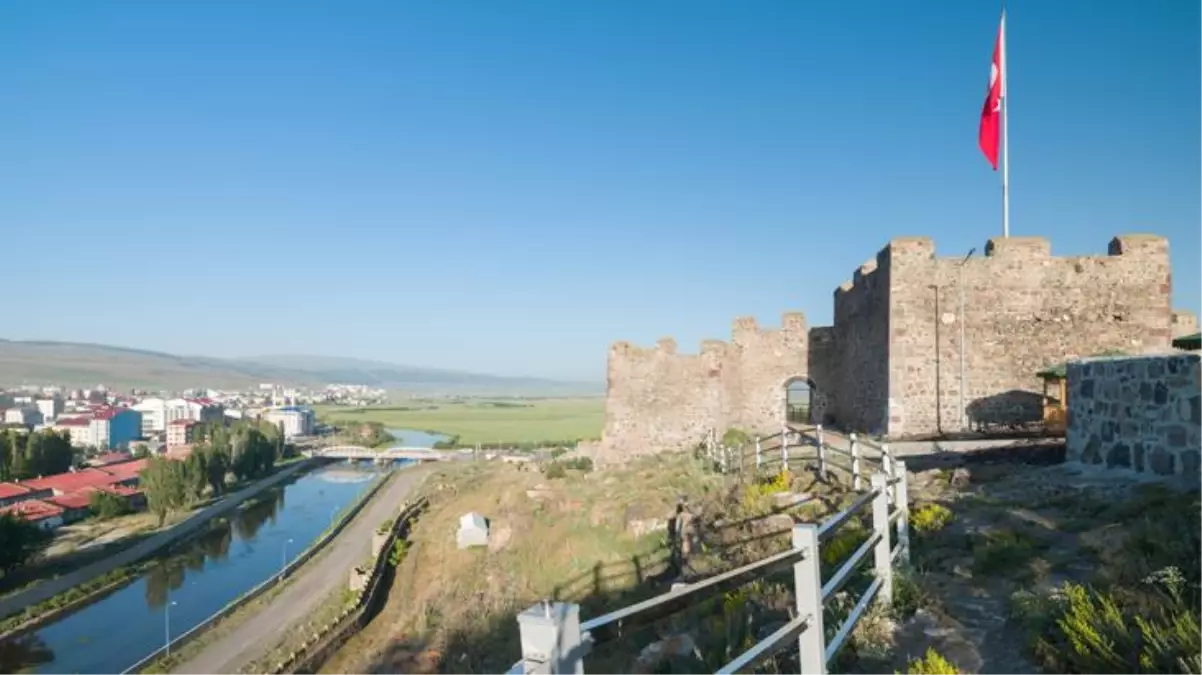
(25, 415)
(50, 408)
(116, 427)
(196, 409)
(79, 429)
(181, 432)
(154, 415)
(293, 421)
(45, 515)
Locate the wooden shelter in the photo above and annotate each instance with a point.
(1055, 398)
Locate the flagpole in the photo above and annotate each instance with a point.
(1005, 131)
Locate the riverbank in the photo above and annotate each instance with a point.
(255, 633)
(46, 591)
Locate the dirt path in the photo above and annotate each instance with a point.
(308, 588)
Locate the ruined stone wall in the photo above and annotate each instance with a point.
(861, 330)
(658, 399)
(1024, 310)
(1140, 414)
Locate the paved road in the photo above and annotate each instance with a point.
(327, 571)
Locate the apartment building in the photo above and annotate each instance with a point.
(26, 415)
(292, 420)
(181, 432)
(50, 408)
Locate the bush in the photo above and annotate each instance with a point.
(735, 438)
(399, 548)
(557, 453)
(931, 664)
(908, 596)
(930, 518)
(105, 505)
(555, 470)
(1092, 634)
(1002, 550)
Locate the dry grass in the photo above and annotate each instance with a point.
(597, 538)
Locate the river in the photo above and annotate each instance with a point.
(181, 590)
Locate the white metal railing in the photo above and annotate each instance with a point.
(555, 639)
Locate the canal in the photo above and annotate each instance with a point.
(193, 582)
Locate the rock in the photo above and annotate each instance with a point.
(539, 495)
(778, 522)
(642, 527)
(499, 538)
(960, 478)
(473, 531)
(655, 653)
(784, 500)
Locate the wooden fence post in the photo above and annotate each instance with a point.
(821, 452)
(807, 580)
(901, 500)
(784, 447)
(759, 454)
(550, 634)
(882, 553)
(855, 463)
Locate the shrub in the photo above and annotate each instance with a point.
(932, 663)
(1002, 550)
(1092, 634)
(399, 548)
(908, 596)
(735, 438)
(555, 470)
(108, 505)
(584, 464)
(557, 453)
(930, 518)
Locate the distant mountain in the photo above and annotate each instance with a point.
(83, 365)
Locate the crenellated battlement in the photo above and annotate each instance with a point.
(910, 329)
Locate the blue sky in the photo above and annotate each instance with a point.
(509, 187)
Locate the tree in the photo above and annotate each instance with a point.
(20, 540)
(107, 505)
(196, 476)
(217, 465)
(165, 485)
(141, 451)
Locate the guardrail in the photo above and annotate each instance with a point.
(788, 445)
(555, 640)
(267, 584)
(313, 653)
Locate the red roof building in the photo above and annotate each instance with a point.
(110, 458)
(65, 483)
(124, 471)
(10, 490)
(35, 510)
(80, 499)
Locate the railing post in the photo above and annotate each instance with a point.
(784, 447)
(887, 469)
(855, 463)
(882, 552)
(759, 454)
(550, 634)
(821, 451)
(807, 580)
(901, 500)
(722, 452)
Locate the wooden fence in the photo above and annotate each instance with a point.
(555, 639)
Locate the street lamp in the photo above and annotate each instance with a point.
(167, 626)
(963, 385)
(284, 555)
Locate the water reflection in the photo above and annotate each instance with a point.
(214, 545)
(229, 558)
(22, 654)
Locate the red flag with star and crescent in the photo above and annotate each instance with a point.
(989, 136)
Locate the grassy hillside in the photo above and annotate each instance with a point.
(486, 422)
(85, 365)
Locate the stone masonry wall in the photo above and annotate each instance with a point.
(1142, 414)
(862, 344)
(1024, 310)
(1184, 323)
(658, 399)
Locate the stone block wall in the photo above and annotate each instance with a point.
(658, 399)
(1141, 414)
(861, 387)
(1024, 310)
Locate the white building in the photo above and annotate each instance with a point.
(154, 415)
(195, 409)
(50, 408)
(25, 415)
(293, 421)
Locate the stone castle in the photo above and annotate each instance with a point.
(891, 363)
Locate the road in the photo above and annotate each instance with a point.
(302, 595)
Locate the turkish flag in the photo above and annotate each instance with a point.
(991, 114)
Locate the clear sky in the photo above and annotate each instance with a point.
(508, 187)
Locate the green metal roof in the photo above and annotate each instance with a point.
(1058, 371)
(1191, 342)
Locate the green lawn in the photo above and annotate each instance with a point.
(485, 421)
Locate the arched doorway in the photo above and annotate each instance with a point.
(800, 399)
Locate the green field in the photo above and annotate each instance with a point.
(485, 421)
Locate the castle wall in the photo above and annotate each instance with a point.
(861, 333)
(1184, 323)
(658, 399)
(1139, 414)
(1024, 310)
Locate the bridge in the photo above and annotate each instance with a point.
(398, 452)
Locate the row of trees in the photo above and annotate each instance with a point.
(19, 541)
(29, 455)
(246, 450)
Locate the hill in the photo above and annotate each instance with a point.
(84, 365)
